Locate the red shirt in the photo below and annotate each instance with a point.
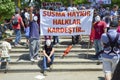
(99, 28)
(118, 29)
(18, 26)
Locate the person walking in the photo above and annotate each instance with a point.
(99, 28)
(115, 16)
(111, 52)
(17, 22)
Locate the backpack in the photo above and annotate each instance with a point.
(15, 21)
(112, 44)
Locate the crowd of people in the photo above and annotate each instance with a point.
(106, 27)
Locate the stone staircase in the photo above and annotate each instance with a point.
(78, 59)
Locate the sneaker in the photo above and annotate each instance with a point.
(32, 59)
(27, 46)
(57, 44)
(51, 67)
(38, 58)
(45, 73)
(17, 45)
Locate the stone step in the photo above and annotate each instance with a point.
(61, 42)
(60, 37)
(56, 50)
(55, 46)
(58, 61)
(60, 68)
(82, 46)
(57, 55)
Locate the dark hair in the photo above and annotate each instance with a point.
(17, 10)
(51, 8)
(115, 6)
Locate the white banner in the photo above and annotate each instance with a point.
(103, 1)
(66, 23)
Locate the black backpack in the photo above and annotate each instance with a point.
(15, 21)
(112, 43)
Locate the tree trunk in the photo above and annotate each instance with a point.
(70, 2)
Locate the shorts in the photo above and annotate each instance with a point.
(6, 58)
(109, 65)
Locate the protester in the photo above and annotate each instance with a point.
(27, 32)
(75, 38)
(55, 40)
(99, 29)
(48, 52)
(115, 16)
(111, 52)
(107, 19)
(34, 36)
(17, 26)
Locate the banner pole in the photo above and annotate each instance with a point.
(88, 47)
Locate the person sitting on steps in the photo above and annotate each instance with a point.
(48, 58)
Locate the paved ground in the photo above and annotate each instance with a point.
(96, 75)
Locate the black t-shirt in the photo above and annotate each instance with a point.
(48, 49)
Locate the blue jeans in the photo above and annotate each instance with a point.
(18, 36)
(45, 64)
(98, 46)
(34, 45)
(55, 39)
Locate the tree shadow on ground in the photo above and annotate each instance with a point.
(85, 56)
(85, 44)
(66, 43)
(39, 64)
(24, 57)
(101, 78)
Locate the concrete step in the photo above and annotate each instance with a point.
(23, 55)
(78, 75)
(56, 50)
(82, 46)
(60, 68)
(57, 61)
(61, 42)
(55, 46)
(60, 37)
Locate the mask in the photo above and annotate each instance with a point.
(48, 42)
(35, 18)
(97, 18)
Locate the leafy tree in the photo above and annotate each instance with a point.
(7, 8)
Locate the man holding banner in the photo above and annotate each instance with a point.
(34, 36)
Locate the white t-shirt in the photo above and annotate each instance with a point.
(6, 46)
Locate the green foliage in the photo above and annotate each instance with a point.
(116, 2)
(80, 1)
(7, 8)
